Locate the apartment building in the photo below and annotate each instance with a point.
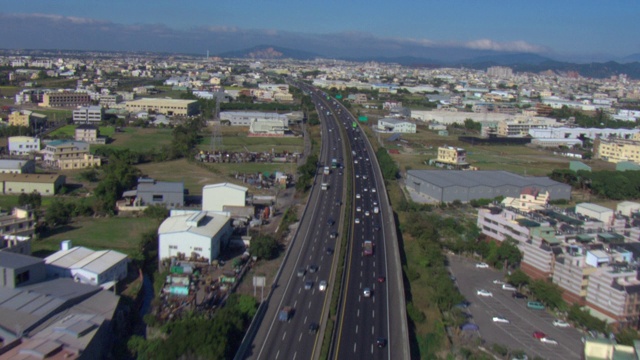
(452, 155)
(26, 118)
(65, 99)
(110, 100)
(88, 115)
(66, 154)
(89, 134)
(500, 72)
(521, 127)
(23, 145)
(164, 106)
(617, 150)
(20, 222)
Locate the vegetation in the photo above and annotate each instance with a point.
(307, 173)
(119, 175)
(600, 119)
(264, 247)
(200, 337)
(584, 319)
(387, 165)
(615, 185)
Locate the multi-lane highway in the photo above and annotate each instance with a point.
(371, 320)
(309, 262)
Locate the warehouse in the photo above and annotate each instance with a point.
(450, 185)
(164, 106)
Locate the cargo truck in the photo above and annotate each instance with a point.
(368, 248)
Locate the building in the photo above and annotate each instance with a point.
(23, 145)
(18, 270)
(582, 133)
(520, 127)
(152, 192)
(67, 154)
(269, 127)
(65, 99)
(452, 155)
(216, 196)
(44, 184)
(530, 199)
(396, 126)
(450, 185)
(88, 115)
(595, 211)
(627, 208)
(87, 266)
(617, 150)
(502, 72)
(608, 349)
(169, 107)
(245, 118)
(17, 166)
(195, 236)
(110, 100)
(16, 244)
(89, 134)
(27, 118)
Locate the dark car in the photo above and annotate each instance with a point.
(313, 268)
(329, 251)
(330, 222)
(381, 279)
(519, 295)
(381, 342)
(313, 328)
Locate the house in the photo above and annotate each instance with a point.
(197, 236)
(216, 196)
(17, 166)
(89, 134)
(27, 118)
(68, 154)
(152, 192)
(530, 199)
(23, 145)
(396, 126)
(87, 266)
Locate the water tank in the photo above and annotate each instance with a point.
(65, 245)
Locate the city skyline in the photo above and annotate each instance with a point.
(567, 30)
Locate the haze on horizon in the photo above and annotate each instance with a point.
(567, 30)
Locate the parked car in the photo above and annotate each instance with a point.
(500, 319)
(560, 323)
(508, 287)
(498, 282)
(539, 335)
(518, 295)
(483, 292)
(535, 305)
(548, 340)
(482, 265)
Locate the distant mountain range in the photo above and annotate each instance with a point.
(519, 62)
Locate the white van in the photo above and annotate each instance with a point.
(376, 210)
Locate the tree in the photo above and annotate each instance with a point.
(58, 213)
(34, 200)
(518, 278)
(509, 253)
(548, 292)
(264, 247)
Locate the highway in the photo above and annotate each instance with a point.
(297, 286)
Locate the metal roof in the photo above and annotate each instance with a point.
(228, 185)
(160, 186)
(16, 261)
(87, 259)
(209, 226)
(448, 178)
(32, 178)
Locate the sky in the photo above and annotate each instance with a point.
(560, 29)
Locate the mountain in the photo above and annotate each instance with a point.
(269, 52)
(630, 58)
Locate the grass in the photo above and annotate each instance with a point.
(194, 176)
(55, 115)
(138, 139)
(241, 142)
(9, 90)
(70, 131)
(116, 233)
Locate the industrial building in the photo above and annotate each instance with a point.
(245, 118)
(450, 185)
(44, 184)
(152, 192)
(169, 107)
(216, 196)
(396, 126)
(269, 127)
(197, 236)
(17, 166)
(87, 266)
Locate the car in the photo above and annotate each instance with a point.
(498, 282)
(322, 285)
(366, 190)
(485, 293)
(548, 340)
(500, 319)
(338, 203)
(329, 251)
(366, 292)
(301, 272)
(463, 305)
(367, 213)
(358, 209)
(313, 328)
(330, 222)
(519, 295)
(357, 220)
(508, 287)
(313, 268)
(355, 162)
(340, 173)
(381, 342)
(308, 285)
(381, 279)
(333, 235)
(364, 177)
(482, 265)
(357, 196)
(375, 203)
(539, 335)
(560, 323)
(373, 190)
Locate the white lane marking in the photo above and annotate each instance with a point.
(277, 354)
(356, 329)
(355, 347)
(358, 313)
(295, 304)
(373, 314)
(309, 307)
(305, 320)
(300, 337)
(300, 289)
(284, 335)
(373, 330)
(294, 355)
(372, 348)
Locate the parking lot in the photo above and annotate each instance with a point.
(518, 333)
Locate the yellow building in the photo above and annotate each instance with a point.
(45, 184)
(452, 155)
(617, 150)
(26, 118)
(65, 154)
(164, 106)
(65, 99)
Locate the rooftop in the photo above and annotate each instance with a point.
(208, 225)
(17, 261)
(83, 258)
(448, 178)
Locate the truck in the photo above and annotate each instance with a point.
(326, 170)
(368, 248)
(325, 186)
(285, 313)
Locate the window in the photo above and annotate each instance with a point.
(157, 197)
(173, 247)
(197, 249)
(22, 277)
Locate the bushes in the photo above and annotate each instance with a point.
(387, 165)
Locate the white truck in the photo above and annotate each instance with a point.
(325, 186)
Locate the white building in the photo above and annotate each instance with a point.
(88, 115)
(396, 126)
(245, 118)
(23, 145)
(216, 196)
(87, 266)
(268, 127)
(198, 236)
(627, 208)
(17, 166)
(595, 211)
(577, 133)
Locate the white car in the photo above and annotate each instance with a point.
(373, 190)
(561, 323)
(365, 189)
(366, 213)
(482, 265)
(500, 319)
(482, 292)
(498, 282)
(548, 340)
(366, 292)
(322, 285)
(357, 221)
(357, 196)
(508, 287)
(358, 209)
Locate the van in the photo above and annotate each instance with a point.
(535, 305)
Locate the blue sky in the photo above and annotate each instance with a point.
(561, 28)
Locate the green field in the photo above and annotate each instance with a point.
(239, 141)
(55, 115)
(9, 90)
(193, 176)
(69, 131)
(116, 233)
(138, 139)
